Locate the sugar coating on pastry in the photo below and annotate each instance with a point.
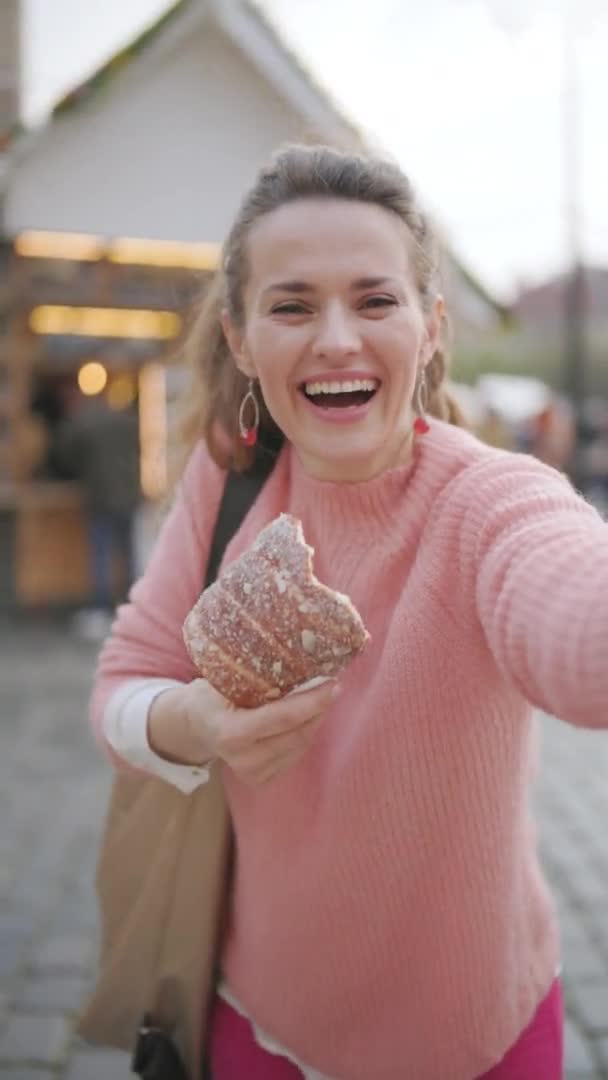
(268, 625)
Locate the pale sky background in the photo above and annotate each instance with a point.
(466, 94)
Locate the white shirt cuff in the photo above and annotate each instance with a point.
(125, 727)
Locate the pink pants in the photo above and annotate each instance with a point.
(538, 1052)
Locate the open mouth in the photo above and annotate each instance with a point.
(340, 394)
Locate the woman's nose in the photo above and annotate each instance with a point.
(336, 334)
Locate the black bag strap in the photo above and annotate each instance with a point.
(240, 492)
(155, 1056)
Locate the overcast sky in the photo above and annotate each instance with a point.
(467, 94)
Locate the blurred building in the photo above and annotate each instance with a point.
(113, 216)
(540, 314)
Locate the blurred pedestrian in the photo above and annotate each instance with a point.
(596, 467)
(553, 436)
(387, 913)
(98, 447)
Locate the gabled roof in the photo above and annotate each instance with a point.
(254, 34)
(244, 22)
(100, 78)
(503, 310)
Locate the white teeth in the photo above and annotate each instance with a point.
(346, 387)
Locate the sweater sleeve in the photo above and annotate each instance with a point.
(538, 560)
(146, 639)
(125, 729)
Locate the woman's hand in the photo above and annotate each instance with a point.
(194, 724)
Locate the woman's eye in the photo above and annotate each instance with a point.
(290, 308)
(379, 301)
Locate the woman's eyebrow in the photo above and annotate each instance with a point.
(298, 286)
(291, 287)
(371, 282)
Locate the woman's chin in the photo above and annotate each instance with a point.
(352, 458)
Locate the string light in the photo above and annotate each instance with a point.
(153, 430)
(78, 247)
(104, 322)
(164, 253)
(92, 378)
(128, 251)
(121, 391)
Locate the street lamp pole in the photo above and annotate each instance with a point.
(514, 20)
(574, 310)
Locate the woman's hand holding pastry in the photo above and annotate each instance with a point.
(194, 725)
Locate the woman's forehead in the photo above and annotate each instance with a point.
(310, 236)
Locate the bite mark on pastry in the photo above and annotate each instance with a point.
(267, 625)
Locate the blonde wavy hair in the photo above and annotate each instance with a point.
(296, 172)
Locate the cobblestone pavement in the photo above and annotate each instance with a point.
(53, 785)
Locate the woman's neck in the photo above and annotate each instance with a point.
(358, 471)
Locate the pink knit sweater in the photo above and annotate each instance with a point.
(390, 919)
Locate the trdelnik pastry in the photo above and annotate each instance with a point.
(268, 625)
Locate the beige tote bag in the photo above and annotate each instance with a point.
(162, 881)
(163, 877)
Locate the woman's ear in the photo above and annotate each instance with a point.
(237, 345)
(434, 324)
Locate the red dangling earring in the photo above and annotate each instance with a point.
(421, 425)
(249, 435)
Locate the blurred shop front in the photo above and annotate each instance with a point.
(79, 316)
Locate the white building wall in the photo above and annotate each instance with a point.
(164, 153)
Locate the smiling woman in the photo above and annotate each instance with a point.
(388, 915)
(330, 299)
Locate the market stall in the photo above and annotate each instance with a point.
(96, 317)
